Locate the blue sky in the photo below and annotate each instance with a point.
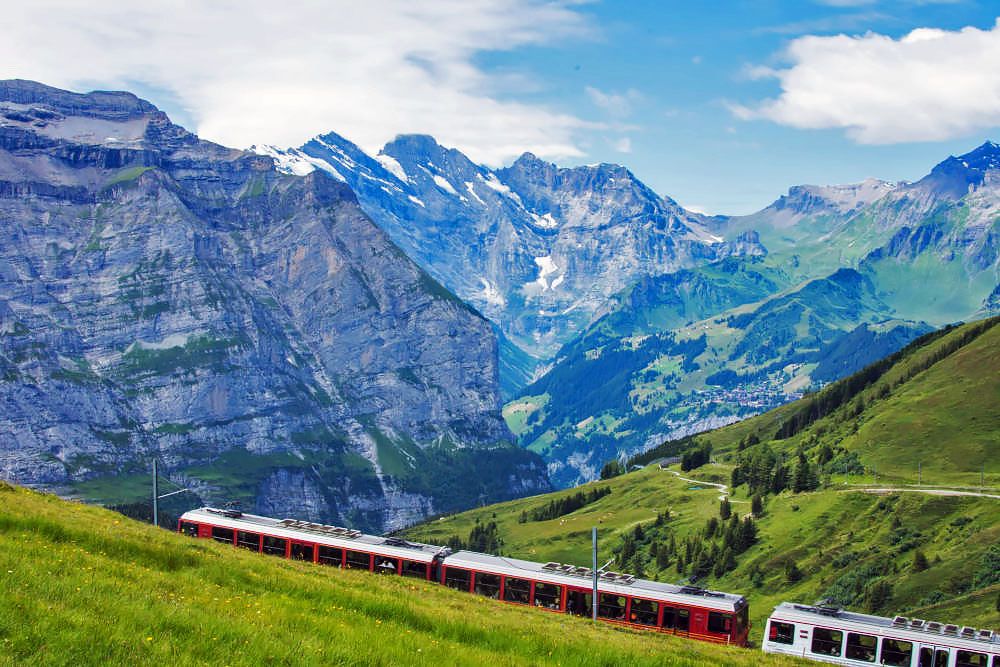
(721, 106)
(683, 65)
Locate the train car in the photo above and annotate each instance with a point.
(841, 637)
(314, 542)
(682, 610)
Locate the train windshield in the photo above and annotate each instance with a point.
(741, 622)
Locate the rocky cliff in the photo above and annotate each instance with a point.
(536, 248)
(165, 296)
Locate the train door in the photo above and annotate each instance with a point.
(934, 656)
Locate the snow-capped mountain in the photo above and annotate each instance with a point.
(536, 248)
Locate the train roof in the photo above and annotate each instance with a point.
(580, 577)
(335, 536)
(914, 629)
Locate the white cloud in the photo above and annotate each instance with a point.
(255, 71)
(616, 104)
(928, 85)
(623, 145)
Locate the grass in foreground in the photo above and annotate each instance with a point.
(84, 586)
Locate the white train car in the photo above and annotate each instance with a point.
(842, 637)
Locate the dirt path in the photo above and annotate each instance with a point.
(724, 490)
(721, 487)
(932, 492)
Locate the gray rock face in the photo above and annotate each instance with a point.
(162, 295)
(536, 248)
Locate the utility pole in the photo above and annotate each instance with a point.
(156, 498)
(593, 539)
(920, 473)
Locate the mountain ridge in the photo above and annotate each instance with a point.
(165, 296)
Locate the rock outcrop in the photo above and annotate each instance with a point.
(164, 296)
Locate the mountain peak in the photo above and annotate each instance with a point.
(413, 144)
(954, 177)
(98, 103)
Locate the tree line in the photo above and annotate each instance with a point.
(710, 551)
(562, 506)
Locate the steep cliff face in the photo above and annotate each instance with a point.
(162, 295)
(536, 248)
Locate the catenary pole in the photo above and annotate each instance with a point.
(593, 539)
(156, 497)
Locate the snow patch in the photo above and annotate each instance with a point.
(491, 181)
(287, 162)
(173, 340)
(546, 268)
(443, 183)
(417, 201)
(295, 162)
(491, 294)
(392, 166)
(543, 221)
(472, 191)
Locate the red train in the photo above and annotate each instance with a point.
(682, 610)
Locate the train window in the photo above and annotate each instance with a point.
(330, 555)
(677, 619)
(579, 603)
(827, 642)
(896, 653)
(302, 552)
(517, 590)
(643, 612)
(384, 565)
(274, 546)
(971, 659)
(222, 534)
(189, 529)
(611, 606)
(861, 647)
(412, 568)
(781, 633)
(719, 622)
(245, 540)
(548, 595)
(457, 578)
(488, 585)
(359, 560)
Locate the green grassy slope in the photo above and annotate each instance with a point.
(935, 403)
(81, 585)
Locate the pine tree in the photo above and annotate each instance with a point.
(878, 595)
(792, 572)
(805, 479)
(725, 509)
(748, 534)
(919, 561)
(757, 505)
(779, 480)
(711, 528)
(663, 555)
